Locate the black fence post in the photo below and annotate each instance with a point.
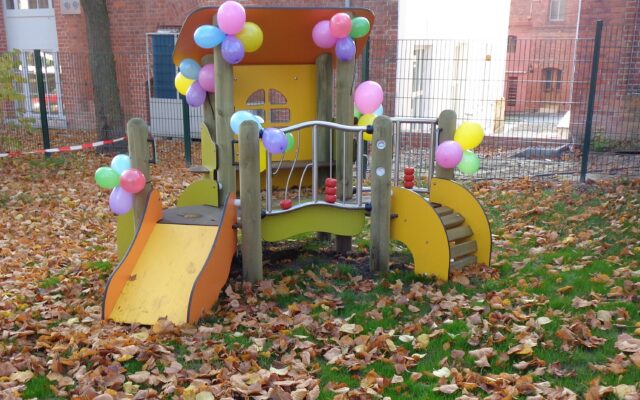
(586, 145)
(186, 131)
(44, 122)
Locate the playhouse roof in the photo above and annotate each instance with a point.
(287, 34)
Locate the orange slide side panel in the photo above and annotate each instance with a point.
(120, 276)
(215, 272)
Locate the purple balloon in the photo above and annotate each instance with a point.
(207, 78)
(196, 95)
(232, 50)
(449, 154)
(321, 35)
(120, 201)
(274, 140)
(345, 49)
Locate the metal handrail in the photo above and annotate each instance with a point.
(435, 138)
(307, 124)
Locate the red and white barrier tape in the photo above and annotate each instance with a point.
(65, 148)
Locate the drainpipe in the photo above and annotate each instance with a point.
(575, 51)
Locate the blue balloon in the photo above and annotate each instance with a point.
(121, 163)
(240, 116)
(379, 111)
(208, 36)
(232, 50)
(190, 68)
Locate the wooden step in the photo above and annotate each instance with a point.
(452, 220)
(463, 249)
(458, 233)
(442, 211)
(463, 262)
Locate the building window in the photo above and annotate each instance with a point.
(552, 79)
(511, 43)
(27, 4)
(512, 91)
(557, 10)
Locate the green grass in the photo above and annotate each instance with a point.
(39, 387)
(50, 282)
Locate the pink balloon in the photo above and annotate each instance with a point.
(322, 35)
(368, 97)
(231, 17)
(340, 25)
(207, 78)
(132, 181)
(449, 154)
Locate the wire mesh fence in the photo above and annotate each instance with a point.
(530, 95)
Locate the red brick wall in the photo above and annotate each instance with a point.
(131, 20)
(617, 106)
(540, 44)
(3, 33)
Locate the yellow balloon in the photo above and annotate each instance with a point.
(251, 37)
(469, 135)
(367, 136)
(367, 119)
(182, 83)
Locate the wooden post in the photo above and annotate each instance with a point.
(345, 76)
(250, 202)
(447, 127)
(209, 106)
(223, 112)
(381, 155)
(137, 132)
(324, 103)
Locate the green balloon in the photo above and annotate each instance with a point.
(470, 163)
(107, 178)
(290, 141)
(356, 113)
(359, 27)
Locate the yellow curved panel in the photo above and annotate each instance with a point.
(313, 218)
(200, 193)
(458, 198)
(418, 226)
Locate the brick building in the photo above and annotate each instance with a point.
(540, 55)
(65, 42)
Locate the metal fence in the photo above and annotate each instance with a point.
(549, 107)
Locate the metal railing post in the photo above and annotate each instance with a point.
(586, 145)
(44, 121)
(186, 130)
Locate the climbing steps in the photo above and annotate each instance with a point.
(447, 231)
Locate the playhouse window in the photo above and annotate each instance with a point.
(280, 115)
(259, 112)
(276, 97)
(256, 98)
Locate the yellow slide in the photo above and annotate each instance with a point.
(176, 265)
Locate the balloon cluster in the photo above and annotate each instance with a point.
(194, 81)
(340, 31)
(124, 182)
(368, 104)
(233, 32)
(275, 141)
(457, 152)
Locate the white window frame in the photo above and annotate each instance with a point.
(560, 10)
(37, 12)
(26, 91)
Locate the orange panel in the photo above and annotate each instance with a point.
(287, 34)
(120, 276)
(215, 273)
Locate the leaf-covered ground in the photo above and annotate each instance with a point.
(555, 317)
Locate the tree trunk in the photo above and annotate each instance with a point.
(106, 96)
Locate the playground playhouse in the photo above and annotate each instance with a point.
(175, 262)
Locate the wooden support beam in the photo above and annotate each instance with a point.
(381, 155)
(223, 133)
(137, 134)
(250, 202)
(345, 77)
(447, 126)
